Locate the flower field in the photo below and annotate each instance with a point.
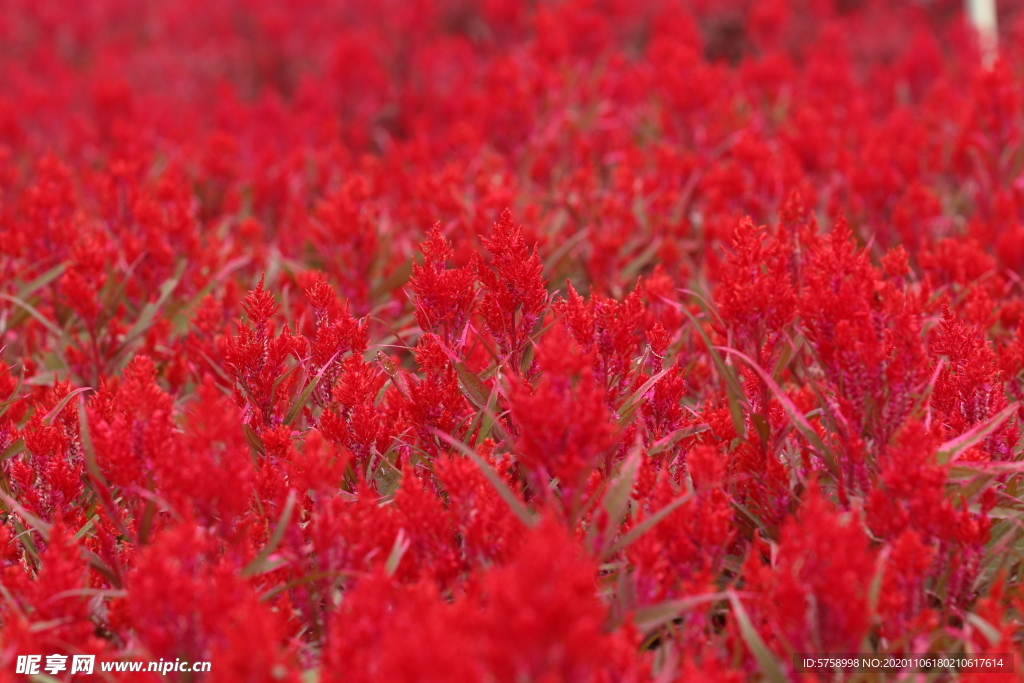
(506, 341)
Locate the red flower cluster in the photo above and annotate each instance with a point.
(585, 340)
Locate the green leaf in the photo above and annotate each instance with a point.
(954, 448)
(64, 402)
(43, 678)
(648, 619)
(875, 589)
(628, 409)
(296, 408)
(38, 525)
(256, 565)
(397, 552)
(80, 592)
(89, 454)
(764, 429)
(149, 312)
(15, 398)
(563, 250)
(925, 394)
(976, 485)
(765, 659)
(146, 523)
(754, 521)
(396, 279)
(786, 354)
(489, 421)
(308, 578)
(620, 492)
(999, 512)
(16, 447)
(476, 390)
(31, 287)
(633, 268)
(214, 366)
(521, 511)
(96, 481)
(677, 436)
(220, 278)
(734, 391)
(114, 290)
(646, 525)
(54, 329)
(255, 442)
(798, 418)
(86, 528)
(987, 629)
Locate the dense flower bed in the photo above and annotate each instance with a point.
(583, 340)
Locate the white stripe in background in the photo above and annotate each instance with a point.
(982, 15)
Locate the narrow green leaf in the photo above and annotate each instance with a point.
(620, 492)
(15, 398)
(628, 409)
(38, 525)
(87, 527)
(16, 447)
(311, 577)
(43, 678)
(633, 268)
(999, 512)
(27, 542)
(765, 659)
(563, 250)
(395, 280)
(987, 629)
(954, 448)
(96, 481)
(150, 310)
(964, 471)
(925, 394)
(476, 390)
(648, 619)
(296, 408)
(521, 511)
(79, 592)
(218, 279)
(257, 562)
(764, 430)
(677, 436)
(875, 589)
(114, 290)
(32, 286)
(40, 318)
(646, 525)
(397, 552)
(787, 353)
(489, 421)
(754, 521)
(798, 418)
(255, 442)
(64, 402)
(89, 454)
(42, 379)
(214, 366)
(146, 523)
(281, 379)
(734, 391)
